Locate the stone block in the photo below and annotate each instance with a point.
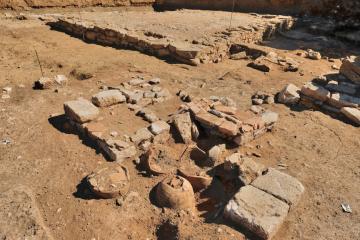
(94, 130)
(352, 113)
(159, 127)
(225, 109)
(316, 92)
(228, 128)
(108, 98)
(351, 70)
(340, 100)
(289, 95)
(257, 211)
(118, 150)
(209, 120)
(280, 185)
(269, 117)
(183, 124)
(81, 110)
(141, 135)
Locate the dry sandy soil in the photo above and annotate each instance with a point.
(322, 152)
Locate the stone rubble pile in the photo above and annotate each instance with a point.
(339, 97)
(263, 196)
(226, 121)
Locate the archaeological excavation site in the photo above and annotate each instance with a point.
(179, 119)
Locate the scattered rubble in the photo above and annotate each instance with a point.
(260, 98)
(48, 83)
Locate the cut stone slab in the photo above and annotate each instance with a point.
(257, 211)
(183, 124)
(340, 100)
(280, 185)
(314, 91)
(118, 150)
(110, 182)
(81, 110)
(20, 217)
(159, 127)
(108, 98)
(352, 113)
(141, 135)
(350, 68)
(289, 95)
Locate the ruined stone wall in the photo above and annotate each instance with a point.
(265, 6)
(15, 4)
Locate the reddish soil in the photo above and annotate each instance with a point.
(322, 152)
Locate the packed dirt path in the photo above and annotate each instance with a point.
(322, 152)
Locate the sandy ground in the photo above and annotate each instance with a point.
(322, 152)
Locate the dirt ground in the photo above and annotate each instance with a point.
(320, 151)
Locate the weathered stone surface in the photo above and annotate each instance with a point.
(95, 130)
(141, 135)
(108, 98)
(209, 120)
(314, 91)
(280, 185)
(183, 124)
(228, 128)
(61, 80)
(136, 81)
(215, 153)
(311, 54)
(257, 211)
(159, 127)
(340, 100)
(239, 56)
(110, 182)
(289, 95)
(147, 115)
(225, 109)
(351, 70)
(246, 169)
(20, 217)
(117, 150)
(270, 117)
(352, 113)
(81, 110)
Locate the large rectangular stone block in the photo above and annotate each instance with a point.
(81, 110)
(280, 185)
(257, 211)
(108, 98)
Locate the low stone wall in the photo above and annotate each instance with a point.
(180, 51)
